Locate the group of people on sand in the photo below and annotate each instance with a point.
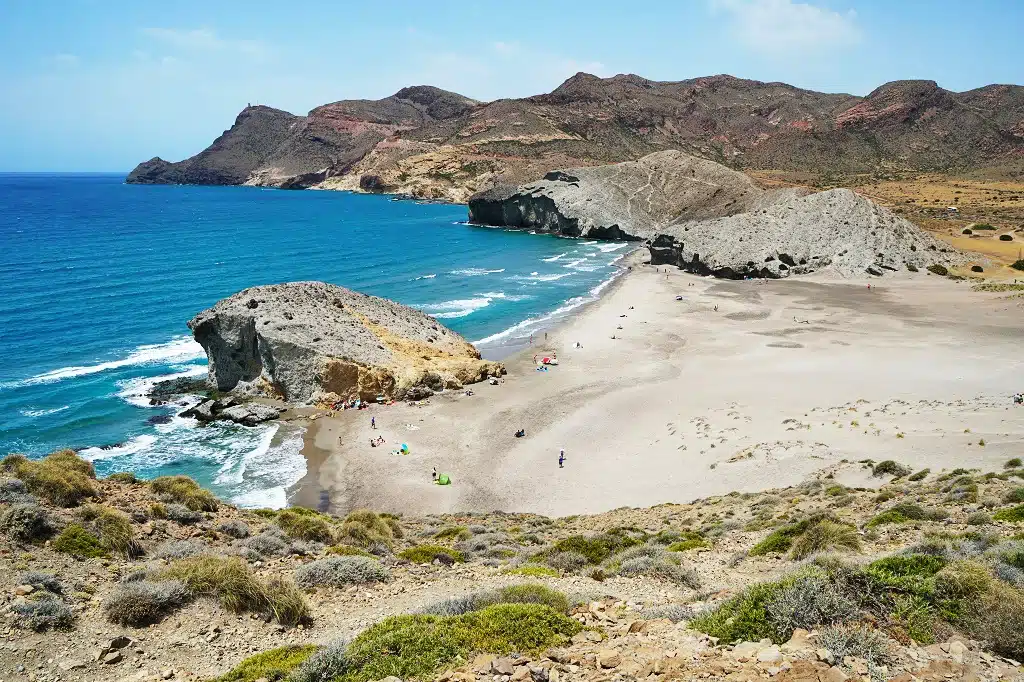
(1018, 398)
(379, 440)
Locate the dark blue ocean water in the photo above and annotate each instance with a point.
(98, 278)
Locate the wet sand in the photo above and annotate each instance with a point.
(738, 386)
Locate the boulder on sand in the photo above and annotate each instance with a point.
(301, 341)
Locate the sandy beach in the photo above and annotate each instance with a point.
(740, 385)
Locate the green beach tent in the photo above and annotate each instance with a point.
(444, 480)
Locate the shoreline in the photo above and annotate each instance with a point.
(552, 321)
(738, 386)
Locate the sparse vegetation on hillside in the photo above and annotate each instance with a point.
(939, 559)
(61, 478)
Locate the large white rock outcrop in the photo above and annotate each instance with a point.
(310, 341)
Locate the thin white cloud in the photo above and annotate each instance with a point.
(784, 27)
(66, 60)
(205, 39)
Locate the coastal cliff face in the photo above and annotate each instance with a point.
(316, 342)
(629, 200)
(708, 219)
(430, 143)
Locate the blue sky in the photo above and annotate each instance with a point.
(103, 84)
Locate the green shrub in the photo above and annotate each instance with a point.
(26, 523)
(1013, 514)
(184, 490)
(1018, 265)
(920, 475)
(348, 550)
(904, 512)
(425, 554)
(835, 490)
(286, 602)
(311, 527)
(231, 582)
(1013, 463)
(364, 528)
(780, 540)
(273, 665)
(984, 226)
(114, 529)
(744, 617)
(340, 571)
(529, 593)
(595, 548)
(123, 477)
(78, 542)
(158, 510)
(415, 647)
(61, 478)
(892, 468)
(1014, 496)
(453, 533)
(823, 536)
(533, 571)
(689, 540)
(142, 602)
(912, 573)
(938, 269)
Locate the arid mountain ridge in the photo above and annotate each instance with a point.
(432, 143)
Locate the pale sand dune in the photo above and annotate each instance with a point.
(688, 402)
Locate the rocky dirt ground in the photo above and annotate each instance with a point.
(657, 570)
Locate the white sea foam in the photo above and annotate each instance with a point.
(460, 307)
(505, 297)
(574, 263)
(179, 349)
(475, 272)
(136, 391)
(535, 277)
(131, 447)
(44, 413)
(523, 328)
(608, 248)
(430, 276)
(233, 468)
(554, 258)
(274, 469)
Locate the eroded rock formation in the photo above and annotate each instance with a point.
(316, 342)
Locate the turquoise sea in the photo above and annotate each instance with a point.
(98, 278)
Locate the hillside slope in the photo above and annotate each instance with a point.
(430, 143)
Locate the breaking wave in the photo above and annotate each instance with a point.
(179, 349)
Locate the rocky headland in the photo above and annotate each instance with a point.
(308, 342)
(708, 219)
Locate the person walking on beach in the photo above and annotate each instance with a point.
(561, 458)
(373, 422)
(433, 474)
